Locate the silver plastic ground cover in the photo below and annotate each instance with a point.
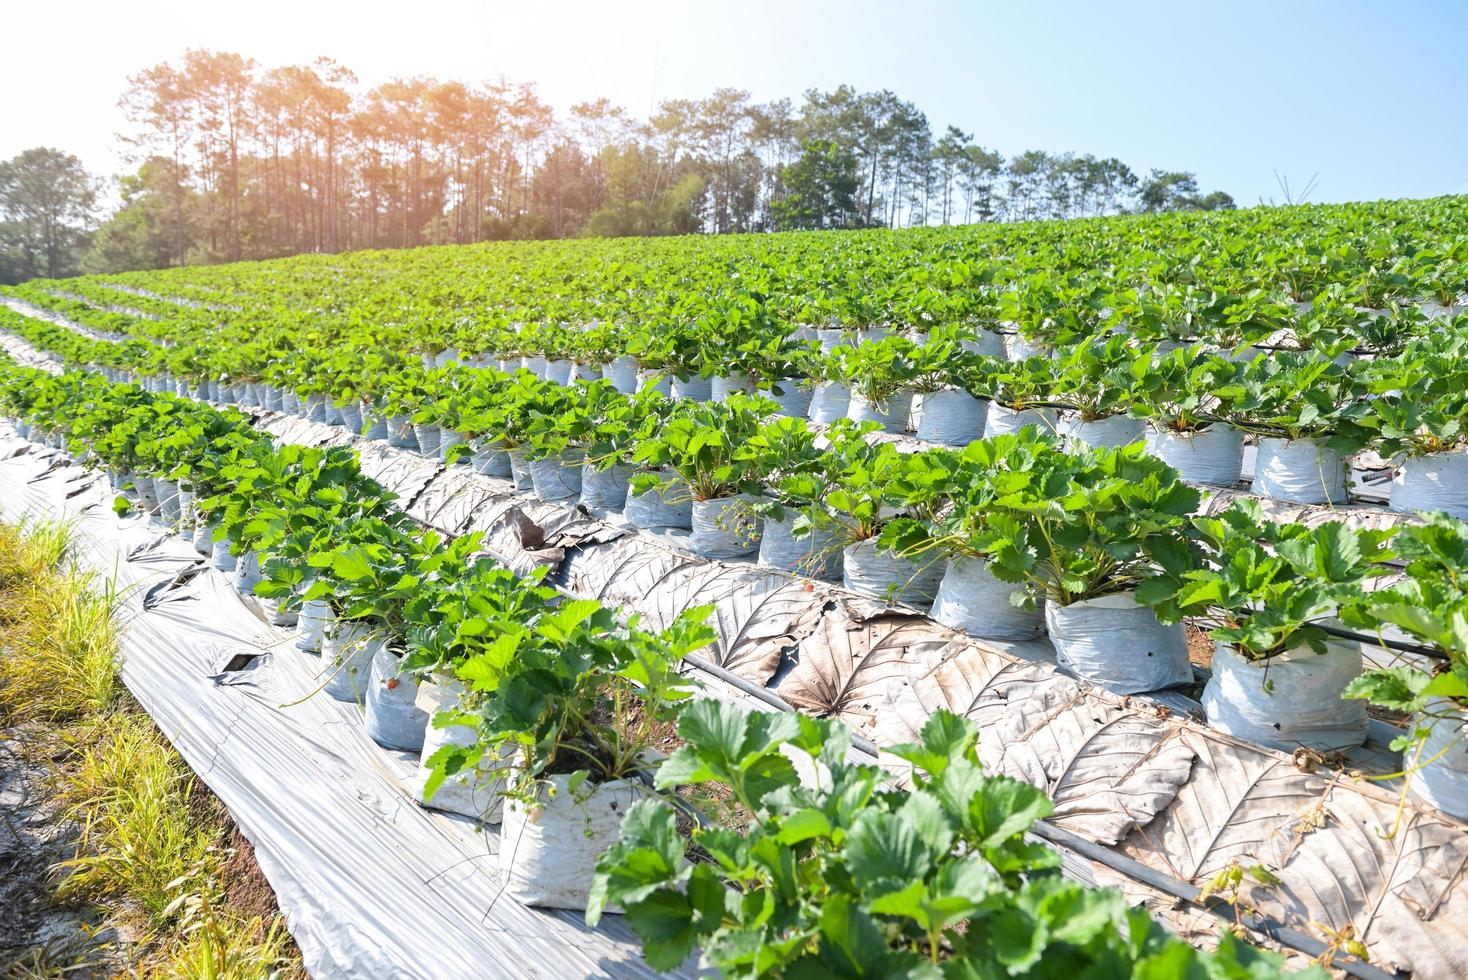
(370, 883)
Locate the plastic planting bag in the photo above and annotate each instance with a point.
(548, 851)
(448, 439)
(393, 718)
(223, 558)
(311, 625)
(892, 415)
(473, 792)
(952, 418)
(622, 373)
(1213, 455)
(884, 575)
(817, 555)
(247, 574)
(1442, 776)
(971, 599)
(697, 388)
(352, 417)
(1299, 470)
(400, 433)
(1292, 700)
(670, 508)
(1115, 643)
(556, 478)
(724, 385)
(520, 471)
(794, 400)
(427, 437)
(656, 381)
(1436, 482)
(491, 462)
(604, 491)
(1002, 420)
(829, 401)
(985, 342)
(1107, 433)
(347, 659)
(559, 371)
(724, 528)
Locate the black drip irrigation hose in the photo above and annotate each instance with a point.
(1175, 888)
(1400, 646)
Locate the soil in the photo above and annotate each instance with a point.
(39, 938)
(1200, 647)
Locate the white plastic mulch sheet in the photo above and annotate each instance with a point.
(371, 885)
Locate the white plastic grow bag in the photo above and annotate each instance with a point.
(347, 658)
(490, 461)
(829, 402)
(204, 539)
(697, 388)
(1213, 455)
(548, 852)
(604, 490)
(666, 508)
(1441, 778)
(428, 438)
(520, 471)
(817, 555)
(723, 385)
(474, 792)
(311, 624)
(400, 433)
(393, 718)
(556, 478)
(971, 599)
(724, 528)
(352, 417)
(168, 503)
(832, 337)
(247, 573)
(1299, 470)
(952, 418)
(1435, 482)
(448, 439)
(622, 373)
(1116, 643)
(892, 415)
(1002, 420)
(558, 371)
(1293, 701)
(1107, 433)
(892, 577)
(656, 381)
(794, 398)
(223, 557)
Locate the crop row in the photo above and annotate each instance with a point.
(1194, 405)
(1005, 538)
(1170, 275)
(549, 707)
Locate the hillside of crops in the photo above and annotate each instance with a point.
(801, 597)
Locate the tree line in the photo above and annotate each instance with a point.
(236, 161)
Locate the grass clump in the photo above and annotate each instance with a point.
(151, 848)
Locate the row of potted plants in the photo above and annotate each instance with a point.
(1375, 275)
(541, 713)
(1194, 406)
(1014, 536)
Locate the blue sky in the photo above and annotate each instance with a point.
(1371, 96)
